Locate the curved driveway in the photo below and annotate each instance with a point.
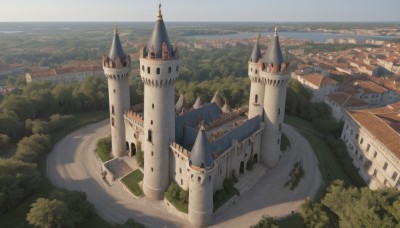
(73, 165)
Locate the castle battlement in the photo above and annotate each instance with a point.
(135, 116)
(180, 149)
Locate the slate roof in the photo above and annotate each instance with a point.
(274, 52)
(200, 155)
(158, 37)
(256, 54)
(116, 47)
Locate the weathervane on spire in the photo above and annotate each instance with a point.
(159, 16)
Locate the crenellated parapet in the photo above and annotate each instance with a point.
(159, 83)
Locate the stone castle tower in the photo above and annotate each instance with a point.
(117, 67)
(201, 166)
(269, 77)
(159, 70)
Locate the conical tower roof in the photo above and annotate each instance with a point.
(116, 47)
(274, 52)
(158, 38)
(226, 108)
(217, 99)
(197, 104)
(180, 104)
(256, 54)
(200, 155)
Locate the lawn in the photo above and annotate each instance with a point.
(131, 181)
(103, 149)
(329, 165)
(17, 216)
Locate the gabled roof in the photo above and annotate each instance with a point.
(319, 80)
(381, 123)
(346, 100)
(274, 52)
(197, 103)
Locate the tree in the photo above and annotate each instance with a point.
(17, 181)
(313, 214)
(19, 105)
(49, 213)
(75, 201)
(4, 140)
(266, 222)
(30, 148)
(362, 207)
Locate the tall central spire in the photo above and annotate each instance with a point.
(159, 16)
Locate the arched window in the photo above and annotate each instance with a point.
(256, 99)
(148, 70)
(112, 110)
(158, 70)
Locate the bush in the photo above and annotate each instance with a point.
(57, 121)
(139, 155)
(103, 149)
(4, 140)
(266, 222)
(131, 223)
(36, 127)
(224, 194)
(75, 201)
(49, 213)
(178, 197)
(30, 148)
(17, 181)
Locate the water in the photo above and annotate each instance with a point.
(10, 32)
(314, 36)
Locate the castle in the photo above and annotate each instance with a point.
(201, 147)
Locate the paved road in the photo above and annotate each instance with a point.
(74, 165)
(274, 199)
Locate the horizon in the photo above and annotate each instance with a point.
(184, 11)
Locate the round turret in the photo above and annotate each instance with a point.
(256, 98)
(117, 67)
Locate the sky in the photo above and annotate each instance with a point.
(201, 10)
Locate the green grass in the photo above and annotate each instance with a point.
(284, 142)
(17, 216)
(131, 181)
(177, 197)
(103, 149)
(329, 165)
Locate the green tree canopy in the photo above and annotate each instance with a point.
(49, 213)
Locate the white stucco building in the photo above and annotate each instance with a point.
(319, 85)
(65, 75)
(340, 102)
(373, 141)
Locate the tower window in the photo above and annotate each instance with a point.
(375, 154)
(142, 67)
(158, 70)
(368, 146)
(112, 110)
(169, 70)
(180, 170)
(114, 90)
(152, 153)
(394, 176)
(151, 169)
(279, 111)
(152, 105)
(149, 136)
(199, 179)
(112, 122)
(256, 99)
(181, 182)
(177, 68)
(256, 71)
(151, 122)
(148, 70)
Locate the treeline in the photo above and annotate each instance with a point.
(234, 90)
(39, 101)
(206, 65)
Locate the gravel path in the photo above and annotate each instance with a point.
(73, 165)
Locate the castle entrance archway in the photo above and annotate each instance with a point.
(133, 149)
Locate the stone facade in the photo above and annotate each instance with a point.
(199, 148)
